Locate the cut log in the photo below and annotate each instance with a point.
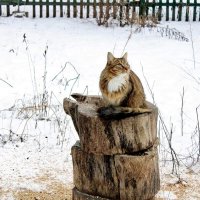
(94, 174)
(77, 195)
(124, 177)
(110, 137)
(138, 175)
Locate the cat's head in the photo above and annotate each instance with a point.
(117, 65)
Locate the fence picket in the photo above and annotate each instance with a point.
(147, 7)
(68, 8)
(81, 9)
(141, 8)
(180, 11)
(54, 8)
(114, 9)
(8, 10)
(121, 13)
(101, 9)
(173, 10)
(187, 11)
(94, 9)
(107, 10)
(127, 10)
(61, 8)
(167, 11)
(34, 12)
(160, 11)
(40, 8)
(153, 9)
(195, 11)
(88, 9)
(74, 9)
(47, 9)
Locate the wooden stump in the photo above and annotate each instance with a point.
(110, 137)
(114, 159)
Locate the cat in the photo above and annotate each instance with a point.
(121, 89)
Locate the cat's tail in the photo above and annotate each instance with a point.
(118, 112)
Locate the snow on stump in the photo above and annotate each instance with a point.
(114, 159)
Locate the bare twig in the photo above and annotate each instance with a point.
(182, 104)
(128, 39)
(198, 130)
(64, 69)
(192, 42)
(149, 88)
(6, 82)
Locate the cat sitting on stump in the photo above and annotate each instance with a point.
(121, 89)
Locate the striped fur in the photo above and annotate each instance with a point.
(120, 86)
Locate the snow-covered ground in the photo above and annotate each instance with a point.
(35, 146)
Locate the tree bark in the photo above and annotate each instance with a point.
(94, 174)
(138, 175)
(124, 177)
(123, 136)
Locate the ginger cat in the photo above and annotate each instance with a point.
(121, 89)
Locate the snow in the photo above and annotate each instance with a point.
(76, 52)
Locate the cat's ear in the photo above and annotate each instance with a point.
(110, 57)
(125, 56)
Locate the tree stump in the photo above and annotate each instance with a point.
(114, 159)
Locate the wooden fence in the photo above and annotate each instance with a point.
(175, 10)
